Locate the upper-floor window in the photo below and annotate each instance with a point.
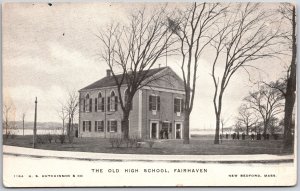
(178, 105)
(100, 102)
(87, 103)
(112, 126)
(112, 102)
(154, 103)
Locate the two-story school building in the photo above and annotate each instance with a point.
(157, 109)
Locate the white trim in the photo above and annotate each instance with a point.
(98, 101)
(85, 126)
(163, 90)
(110, 120)
(102, 88)
(112, 106)
(97, 126)
(156, 101)
(140, 110)
(157, 128)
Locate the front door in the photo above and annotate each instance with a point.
(153, 130)
(165, 130)
(178, 131)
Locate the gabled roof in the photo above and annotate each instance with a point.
(109, 81)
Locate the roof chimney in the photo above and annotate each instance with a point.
(108, 73)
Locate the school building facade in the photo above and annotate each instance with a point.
(157, 109)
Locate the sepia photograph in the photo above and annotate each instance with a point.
(149, 94)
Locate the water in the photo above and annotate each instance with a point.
(39, 131)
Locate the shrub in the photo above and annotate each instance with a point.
(49, 137)
(41, 139)
(116, 141)
(62, 138)
(71, 138)
(150, 143)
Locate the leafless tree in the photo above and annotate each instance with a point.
(193, 27)
(288, 12)
(246, 117)
(267, 102)
(8, 123)
(63, 114)
(245, 35)
(132, 49)
(71, 109)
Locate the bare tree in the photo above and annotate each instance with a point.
(288, 11)
(245, 35)
(267, 102)
(132, 49)
(246, 117)
(193, 27)
(71, 108)
(63, 114)
(8, 122)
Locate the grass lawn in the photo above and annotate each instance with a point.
(199, 145)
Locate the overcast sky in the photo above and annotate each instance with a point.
(48, 50)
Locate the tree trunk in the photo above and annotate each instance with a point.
(186, 128)
(217, 132)
(265, 127)
(63, 129)
(125, 125)
(23, 126)
(288, 120)
(69, 127)
(247, 130)
(290, 90)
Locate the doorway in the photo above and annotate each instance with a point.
(153, 130)
(178, 131)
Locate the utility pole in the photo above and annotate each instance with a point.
(23, 117)
(34, 127)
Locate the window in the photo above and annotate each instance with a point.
(100, 103)
(87, 126)
(112, 102)
(126, 98)
(99, 126)
(154, 103)
(88, 103)
(178, 105)
(112, 126)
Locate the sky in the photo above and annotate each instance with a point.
(50, 50)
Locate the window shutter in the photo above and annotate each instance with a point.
(175, 105)
(102, 104)
(83, 105)
(95, 126)
(90, 126)
(158, 103)
(108, 126)
(108, 104)
(150, 103)
(91, 104)
(182, 105)
(96, 104)
(83, 126)
(116, 103)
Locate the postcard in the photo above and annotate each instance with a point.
(149, 94)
